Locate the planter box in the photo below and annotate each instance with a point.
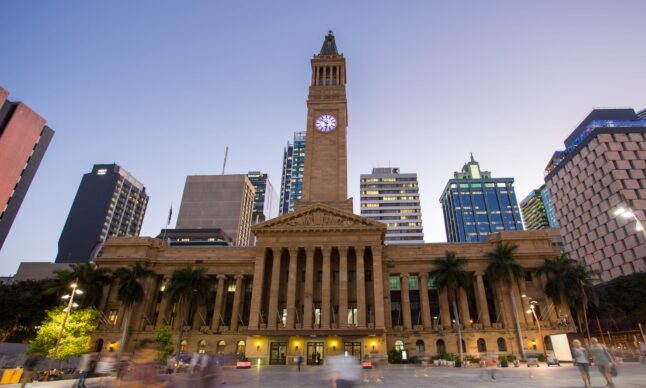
(243, 364)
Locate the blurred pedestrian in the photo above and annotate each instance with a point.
(582, 361)
(604, 360)
(299, 361)
(145, 371)
(85, 367)
(29, 372)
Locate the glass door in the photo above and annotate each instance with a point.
(352, 349)
(315, 353)
(278, 353)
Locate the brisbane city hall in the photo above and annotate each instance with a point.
(320, 282)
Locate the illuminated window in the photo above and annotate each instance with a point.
(352, 316)
(232, 286)
(201, 347)
(112, 316)
(399, 345)
(101, 171)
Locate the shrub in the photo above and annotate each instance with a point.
(394, 356)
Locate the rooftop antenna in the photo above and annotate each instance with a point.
(226, 153)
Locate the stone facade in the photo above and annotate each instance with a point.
(590, 189)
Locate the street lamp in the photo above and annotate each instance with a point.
(68, 309)
(532, 310)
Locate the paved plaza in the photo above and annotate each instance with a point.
(630, 375)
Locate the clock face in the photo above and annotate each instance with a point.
(325, 123)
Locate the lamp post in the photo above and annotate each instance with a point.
(67, 310)
(532, 311)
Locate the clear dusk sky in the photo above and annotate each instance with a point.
(161, 87)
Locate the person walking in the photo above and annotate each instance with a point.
(85, 366)
(582, 361)
(299, 361)
(604, 360)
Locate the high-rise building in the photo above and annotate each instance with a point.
(24, 138)
(291, 186)
(265, 201)
(109, 202)
(598, 187)
(476, 205)
(393, 198)
(218, 201)
(642, 114)
(537, 210)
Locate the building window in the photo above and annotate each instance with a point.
(502, 345)
(419, 345)
(482, 345)
(201, 347)
(232, 286)
(317, 317)
(352, 316)
(240, 349)
(319, 276)
(335, 276)
(352, 276)
(528, 276)
(399, 345)
(440, 346)
(413, 283)
(182, 346)
(283, 318)
(220, 348)
(368, 275)
(393, 283)
(112, 316)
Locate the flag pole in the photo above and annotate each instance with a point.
(170, 214)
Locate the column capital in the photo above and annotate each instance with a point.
(479, 273)
(309, 250)
(423, 275)
(404, 275)
(293, 248)
(326, 250)
(239, 277)
(221, 276)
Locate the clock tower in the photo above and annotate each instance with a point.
(325, 177)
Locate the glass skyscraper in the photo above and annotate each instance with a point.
(476, 205)
(291, 185)
(538, 210)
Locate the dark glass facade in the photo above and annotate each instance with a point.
(291, 187)
(476, 205)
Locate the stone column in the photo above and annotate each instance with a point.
(343, 287)
(326, 298)
(377, 279)
(361, 290)
(273, 291)
(256, 292)
(465, 315)
(481, 299)
(505, 304)
(219, 302)
(309, 288)
(552, 316)
(405, 301)
(426, 306)
(445, 309)
(235, 310)
(291, 287)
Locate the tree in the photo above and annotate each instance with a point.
(22, 308)
(75, 340)
(505, 270)
(130, 291)
(187, 286)
(449, 275)
(163, 339)
(89, 278)
(621, 301)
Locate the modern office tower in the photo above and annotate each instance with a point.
(476, 205)
(291, 186)
(265, 201)
(393, 198)
(24, 138)
(218, 201)
(109, 202)
(538, 210)
(598, 188)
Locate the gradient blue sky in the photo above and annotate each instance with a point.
(161, 87)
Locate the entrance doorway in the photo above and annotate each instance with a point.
(315, 353)
(352, 349)
(278, 353)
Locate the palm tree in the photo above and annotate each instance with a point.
(89, 278)
(449, 275)
(187, 286)
(505, 270)
(569, 282)
(130, 292)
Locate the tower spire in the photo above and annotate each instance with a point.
(472, 160)
(329, 45)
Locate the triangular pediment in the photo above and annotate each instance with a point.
(318, 217)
